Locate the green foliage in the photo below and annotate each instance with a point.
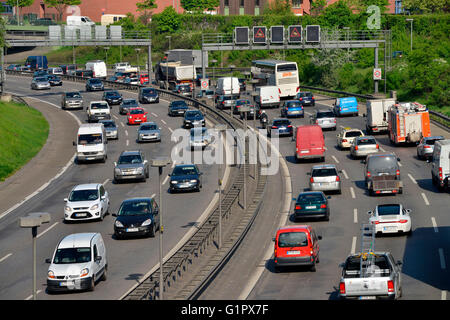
(199, 5)
(145, 5)
(337, 14)
(21, 3)
(278, 7)
(167, 21)
(426, 6)
(61, 5)
(317, 7)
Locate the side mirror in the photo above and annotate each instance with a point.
(65, 199)
(98, 259)
(399, 263)
(145, 161)
(169, 174)
(319, 237)
(273, 239)
(103, 197)
(408, 211)
(48, 260)
(398, 159)
(113, 214)
(364, 115)
(308, 173)
(329, 197)
(73, 143)
(115, 164)
(370, 213)
(341, 265)
(363, 161)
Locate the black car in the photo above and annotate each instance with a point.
(127, 104)
(177, 108)
(148, 95)
(84, 73)
(112, 97)
(54, 80)
(193, 118)
(94, 84)
(185, 177)
(306, 98)
(137, 217)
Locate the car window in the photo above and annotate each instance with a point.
(366, 141)
(137, 111)
(325, 114)
(99, 106)
(95, 138)
(310, 197)
(130, 159)
(352, 134)
(431, 142)
(83, 195)
(72, 255)
(134, 208)
(388, 209)
(292, 239)
(384, 162)
(108, 124)
(179, 103)
(293, 104)
(281, 122)
(185, 170)
(324, 172)
(149, 127)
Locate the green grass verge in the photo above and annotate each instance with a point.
(24, 131)
(26, 27)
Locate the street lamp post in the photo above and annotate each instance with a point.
(220, 128)
(106, 54)
(244, 109)
(33, 221)
(232, 66)
(160, 163)
(214, 61)
(193, 77)
(137, 53)
(411, 20)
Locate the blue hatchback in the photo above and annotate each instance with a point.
(292, 108)
(282, 126)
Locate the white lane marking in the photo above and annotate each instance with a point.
(425, 199)
(412, 178)
(308, 113)
(31, 296)
(170, 129)
(345, 174)
(173, 164)
(155, 115)
(153, 195)
(165, 180)
(353, 245)
(382, 149)
(128, 142)
(126, 133)
(399, 164)
(355, 215)
(48, 229)
(122, 124)
(433, 222)
(352, 192)
(335, 159)
(163, 121)
(5, 257)
(442, 258)
(115, 117)
(105, 182)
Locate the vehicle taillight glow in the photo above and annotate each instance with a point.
(441, 176)
(311, 179)
(298, 207)
(390, 285)
(356, 147)
(397, 172)
(274, 127)
(403, 221)
(289, 126)
(323, 206)
(368, 174)
(312, 98)
(378, 146)
(300, 99)
(344, 140)
(427, 147)
(342, 287)
(337, 178)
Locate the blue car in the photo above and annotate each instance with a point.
(177, 108)
(292, 108)
(282, 126)
(185, 177)
(346, 106)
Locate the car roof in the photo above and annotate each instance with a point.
(148, 123)
(311, 192)
(323, 166)
(294, 228)
(86, 186)
(77, 240)
(137, 199)
(130, 152)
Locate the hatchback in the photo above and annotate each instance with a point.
(193, 118)
(292, 108)
(391, 218)
(54, 80)
(184, 89)
(86, 202)
(325, 178)
(425, 147)
(136, 116)
(185, 177)
(177, 108)
(239, 103)
(200, 138)
(346, 137)
(306, 98)
(39, 83)
(312, 204)
(131, 165)
(110, 129)
(149, 131)
(127, 104)
(282, 126)
(112, 97)
(325, 119)
(362, 146)
(94, 84)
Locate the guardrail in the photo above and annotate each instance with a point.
(175, 265)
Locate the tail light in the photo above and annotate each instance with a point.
(301, 99)
(274, 127)
(375, 222)
(342, 287)
(397, 172)
(390, 285)
(441, 176)
(427, 147)
(378, 146)
(356, 147)
(311, 179)
(312, 98)
(338, 179)
(298, 88)
(323, 206)
(403, 221)
(344, 140)
(279, 90)
(298, 207)
(289, 126)
(368, 174)
(334, 120)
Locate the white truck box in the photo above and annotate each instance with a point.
(377, 115)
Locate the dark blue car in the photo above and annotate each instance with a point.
(177, 108)
(282, 126)
(193, 118)
(185, 177)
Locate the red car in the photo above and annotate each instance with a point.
(136, 116)
(296, 245)
(143, 79)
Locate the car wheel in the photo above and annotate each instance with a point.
(92, 284)
(313, 267)
(152, 231)
(104, 276)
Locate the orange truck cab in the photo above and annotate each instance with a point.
(310, 143)
(296, 245)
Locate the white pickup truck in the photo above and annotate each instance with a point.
(381, 280)
(124, 67)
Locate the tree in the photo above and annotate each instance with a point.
(362, 5)
(426, 6)
(168, 20)
(318, 6)
(145, 7)
(61, 5)
(278, 7)
(20, 3)
(199, 5)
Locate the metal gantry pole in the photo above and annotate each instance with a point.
(245, 163)
(220, 204)
(34, 234)
(161, 230)
(149, 62)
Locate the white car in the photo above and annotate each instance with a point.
(346, 136)
(391, 218)
(86, 202)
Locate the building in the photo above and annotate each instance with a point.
(256, 7)
(394, 6)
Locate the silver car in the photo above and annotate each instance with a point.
(71, 100)
(40, 83)
(326, 119)
(425, 147)
(131, 165)
(362, 146)
(148, 131)
(200, 138)
(110, 129)
(325, 177)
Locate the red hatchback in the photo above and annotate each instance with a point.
(296, 245)
(136, 116)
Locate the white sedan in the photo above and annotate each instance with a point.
(391, 218)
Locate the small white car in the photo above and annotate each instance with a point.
(391, 218)
(346, 137)
(78, 262)
(86, 202)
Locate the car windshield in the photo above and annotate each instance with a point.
(431, 142)
(325, 114)
(99, 106)
(41, 79)
(292, 239)
(72, 255)
(129, 102)
(112, 94)
(179, 104)
(130, 159)
(95, 81)
(108, 124)
(293, 104)
(352, 134)
(380, 163)
(83, 195)
(310, 197)
(137, 111)
(304, 94)
(324, 172)
(73, 95)
(242, 102)
(149, 90)
(281, 122)
(209, 92)
(95, 138)
(388, 209)
(184, 170)
(135, 208)
(149, 127)
(366, 141)
(194, 113)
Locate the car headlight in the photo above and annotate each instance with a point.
(84, 272)
(118, 224)
(50, 274)
(140, 169)
(95, 206)
(193, 180)
(146, 222)
(67, 208)
(174, 181)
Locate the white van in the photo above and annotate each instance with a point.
(91, 142)
(78, 262)
(267, 97)
(79, 21)
(98, 68)
(107, 19)
(440, 170)
(226, 84)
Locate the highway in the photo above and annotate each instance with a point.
(425, 254)
(128, 260)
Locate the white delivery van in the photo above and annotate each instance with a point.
(107, 19)
(78, 261)
(267, 97)
(91, 142)
(98, 68)
(440, 170)
(79, 21)
(226, 84)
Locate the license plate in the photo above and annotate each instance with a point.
(132, 229)
(90, 158)
(386, 191)
(138, 120)
(295, 112)
(310, 207)
(391, 228)
(81, 214)
(293, 252)
(184, 185)
(304, 151)
(306, 101)
(367, 298)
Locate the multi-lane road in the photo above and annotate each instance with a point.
(128, 260)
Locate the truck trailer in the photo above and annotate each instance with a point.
(408, 122)
(377, 115)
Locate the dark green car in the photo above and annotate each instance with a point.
(312, 204)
